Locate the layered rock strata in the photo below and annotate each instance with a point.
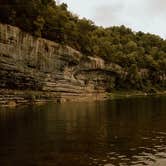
(35, 69)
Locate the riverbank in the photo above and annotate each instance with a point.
(35, 70)
(13, 98)
(132, 94)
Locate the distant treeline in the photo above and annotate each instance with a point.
(120, 45)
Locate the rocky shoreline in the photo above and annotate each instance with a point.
(11, 98)
(36, 70)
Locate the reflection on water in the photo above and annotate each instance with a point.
(121, 132)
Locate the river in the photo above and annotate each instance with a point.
(121, 132)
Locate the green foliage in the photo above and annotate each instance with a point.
(134, 76)
(119, 45)
(39, 24)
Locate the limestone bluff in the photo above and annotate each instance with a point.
(41, 70)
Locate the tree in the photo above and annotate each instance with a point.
(39, 24)
(134, 76)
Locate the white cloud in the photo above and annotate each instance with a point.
(144, 15)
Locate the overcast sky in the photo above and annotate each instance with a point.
(144, 15)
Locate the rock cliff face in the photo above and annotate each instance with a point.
(37, 69)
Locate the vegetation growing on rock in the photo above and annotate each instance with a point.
(142, 56)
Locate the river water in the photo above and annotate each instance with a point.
(122, 132)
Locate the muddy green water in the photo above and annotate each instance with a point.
(121, 132)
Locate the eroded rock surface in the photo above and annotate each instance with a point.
(38, 69)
